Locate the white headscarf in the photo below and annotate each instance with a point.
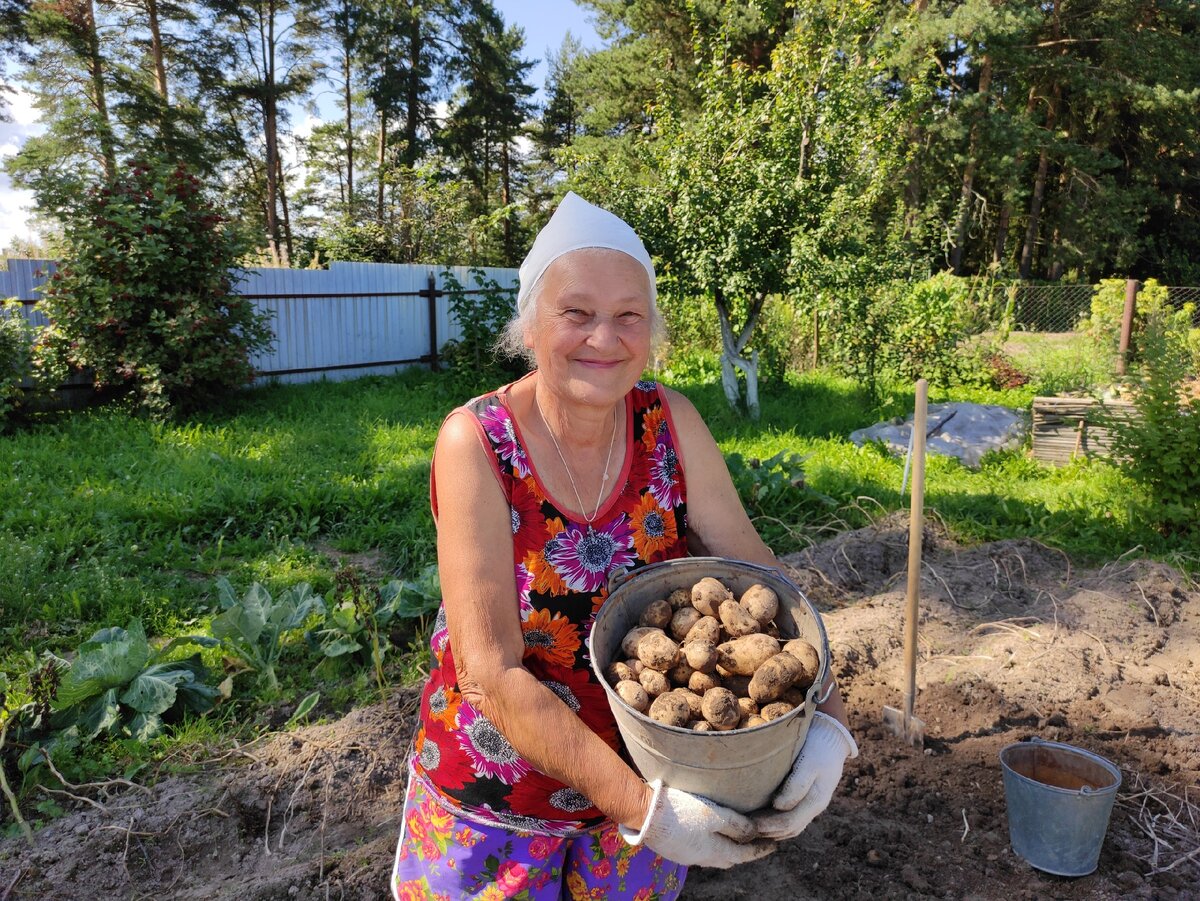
(577, 224)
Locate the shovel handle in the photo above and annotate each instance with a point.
(915, 530)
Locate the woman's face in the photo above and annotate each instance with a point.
(591, 329)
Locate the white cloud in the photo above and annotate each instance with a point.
(20, 107)
(16, 204)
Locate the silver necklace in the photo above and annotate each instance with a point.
(607, 460)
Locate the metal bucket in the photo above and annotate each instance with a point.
(740, 768)
(1059, 799)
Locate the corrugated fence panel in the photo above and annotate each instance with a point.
(351, 320)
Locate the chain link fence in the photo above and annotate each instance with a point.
(1061, 308)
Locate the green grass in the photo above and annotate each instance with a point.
(104, 517)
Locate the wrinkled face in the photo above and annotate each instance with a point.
(591, 332)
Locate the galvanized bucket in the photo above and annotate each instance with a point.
(1059, 800)
(741, 768)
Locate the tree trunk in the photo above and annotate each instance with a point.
(266, 31)
(506, 198)
(1006, 208)
(382, 166)
(968, 182)
(1039, 182)
(83, 18)
(412, 91)
(1039, 191)
(287, 219)
(349, 99)
(156, 51)
(733, 355)
(912, 187)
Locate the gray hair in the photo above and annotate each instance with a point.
(511, 340)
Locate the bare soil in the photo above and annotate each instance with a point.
(1015, 642)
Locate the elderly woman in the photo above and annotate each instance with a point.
(541, 489)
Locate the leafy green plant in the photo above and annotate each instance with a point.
(773, 484)
(16, 356)
(481, 313)
(254, 627)
(358, 626)
(115, 685)
(1159, 447)
(1152, 310)
(929, 323)
(143, 298)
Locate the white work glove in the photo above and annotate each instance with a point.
(815, 775)
(693, 831)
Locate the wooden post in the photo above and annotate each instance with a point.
(431, 294)
(1131, 291)
(816, 339)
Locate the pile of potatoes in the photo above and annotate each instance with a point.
(705, 661)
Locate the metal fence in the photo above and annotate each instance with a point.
(350, 320)
(1060, 308)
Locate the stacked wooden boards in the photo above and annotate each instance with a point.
(1068, 427)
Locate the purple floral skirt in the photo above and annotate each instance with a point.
(442, 857)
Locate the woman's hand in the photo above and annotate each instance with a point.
(815, 776)
(695, 831)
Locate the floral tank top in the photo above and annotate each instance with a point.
(561, 565)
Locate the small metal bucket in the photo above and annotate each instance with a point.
(741, 768)
(1059, 800)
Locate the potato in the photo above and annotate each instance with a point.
(629, 643)
(748, 707)
(634, 695)
(775, 711)
(744, 655)
(694, 702)
(752, 721)
(720, 708)
(707, 628)
(683, 621)
(671, 710)
(739, 685)
(680, 674)
(794, 696)
(657, 651)
(702, 726)
(736, 620)
(654, 682)
(619, 672)
(636, 665)
(809, 660)
(679, 599)
(761, 603)
(702, 682)
(707, 595)
(701, 655)
(775, 677)
(657, 615)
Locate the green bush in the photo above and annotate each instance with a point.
(143, 297)
(1159, 447)
(928, 323)
(1103, 324)
(16, 342)
(481, 313)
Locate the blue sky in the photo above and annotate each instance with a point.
(545, 24)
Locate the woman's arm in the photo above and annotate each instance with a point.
(717, 521)
(482, 613)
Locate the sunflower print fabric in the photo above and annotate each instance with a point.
(561, 568)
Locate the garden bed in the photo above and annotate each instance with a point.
(1015, 642)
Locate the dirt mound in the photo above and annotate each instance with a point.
(1015, 642)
